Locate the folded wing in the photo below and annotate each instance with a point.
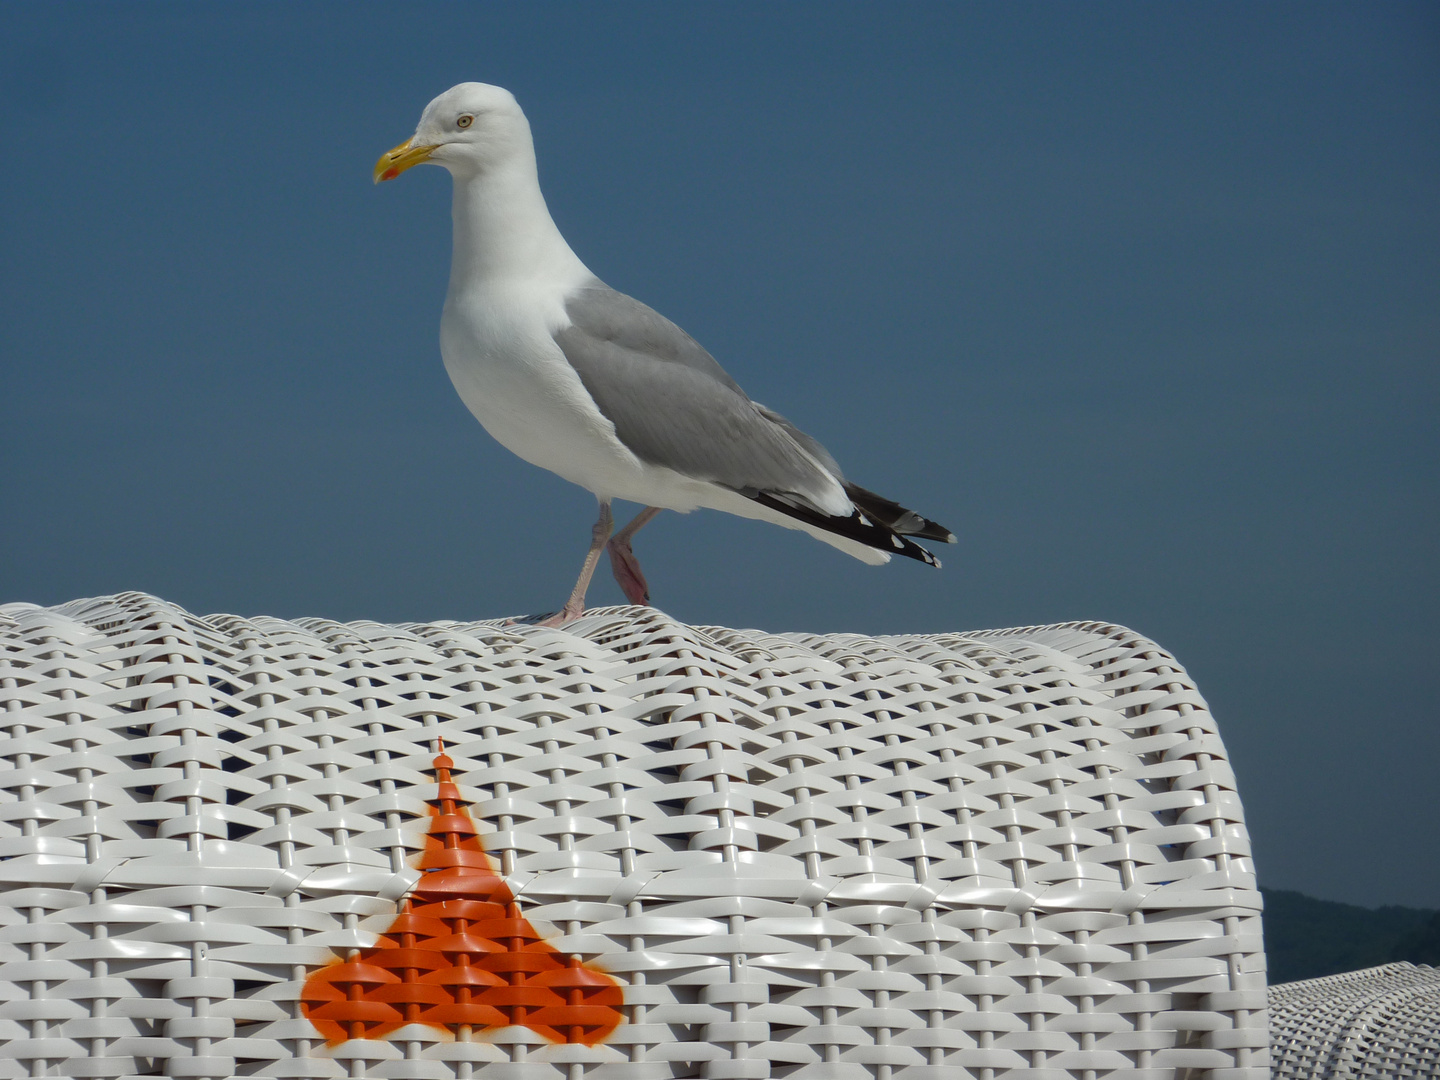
(674, 406)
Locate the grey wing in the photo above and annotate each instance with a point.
(673, 405)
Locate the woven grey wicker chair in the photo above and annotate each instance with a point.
(1376, 1024)
(629, 848)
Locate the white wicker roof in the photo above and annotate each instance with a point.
(1380, 1023)
(982, 854)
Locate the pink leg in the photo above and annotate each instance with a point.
(623, 563)
(599, 533)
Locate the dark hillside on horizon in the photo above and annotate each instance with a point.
(1306, 938)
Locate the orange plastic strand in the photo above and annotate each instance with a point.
(459, 952)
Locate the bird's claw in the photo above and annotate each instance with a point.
(546, 618)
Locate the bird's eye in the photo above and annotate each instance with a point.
(465, 121)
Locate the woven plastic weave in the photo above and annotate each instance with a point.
(1382, 1023)
(629, 848)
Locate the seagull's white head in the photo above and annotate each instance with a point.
(467, 129)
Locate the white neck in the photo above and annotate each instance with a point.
(503, 230)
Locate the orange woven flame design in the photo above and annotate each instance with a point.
(459, 953)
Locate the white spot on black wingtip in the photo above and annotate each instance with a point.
(950, 538)
(898, 542)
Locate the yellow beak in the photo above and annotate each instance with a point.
(401, 158)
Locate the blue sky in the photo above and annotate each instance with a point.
(1142, 300)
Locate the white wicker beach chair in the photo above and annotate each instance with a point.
(628, 848)
(1382, 1023)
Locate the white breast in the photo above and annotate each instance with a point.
(503, 361)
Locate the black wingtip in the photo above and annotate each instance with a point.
(859, 526)
(932, 531)
(896, 518)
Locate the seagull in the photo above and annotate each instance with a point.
(603, 391)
